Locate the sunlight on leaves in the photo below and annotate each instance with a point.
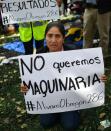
(8, 94)
(102, 115)
(1, 105)
(6, 120)
(15, 71)
(19, 109)
(18, 102)
(1, 82)
(13, 99)
(5, 80)
(2, 99)
(18, 116)
(24, 125)
(109, 97)
(23, 111)
(19, 120)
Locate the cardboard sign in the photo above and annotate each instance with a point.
(63, 81)
(17, 11)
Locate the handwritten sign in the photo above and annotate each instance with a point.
(17, 11)
(63, 81)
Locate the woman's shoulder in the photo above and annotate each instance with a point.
(68, 46)
(42, 50)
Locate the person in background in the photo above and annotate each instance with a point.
(89, 22)
(55, 35)
(104, 23)
(30, 31)
(60, 6)
(1, 24)
(97, 15)
(65, 7)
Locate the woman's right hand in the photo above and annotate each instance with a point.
(24, 89)
(103, 78)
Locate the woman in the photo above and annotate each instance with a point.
(55, 34)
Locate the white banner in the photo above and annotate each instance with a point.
(17, 11)
(63, 81)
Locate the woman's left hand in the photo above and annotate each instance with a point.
(103, 78)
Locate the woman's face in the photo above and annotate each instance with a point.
(54, 39)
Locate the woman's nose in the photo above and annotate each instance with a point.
(53, 39)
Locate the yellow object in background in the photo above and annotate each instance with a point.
(72, 31)
(76, 33)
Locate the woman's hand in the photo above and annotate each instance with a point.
(103, 78)
(24, 89)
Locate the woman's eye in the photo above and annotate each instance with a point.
(54, 35)
(57, 36)
(50, 35)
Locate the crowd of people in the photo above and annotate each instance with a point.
(96, 19)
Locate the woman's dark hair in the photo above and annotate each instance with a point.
(57, 24)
